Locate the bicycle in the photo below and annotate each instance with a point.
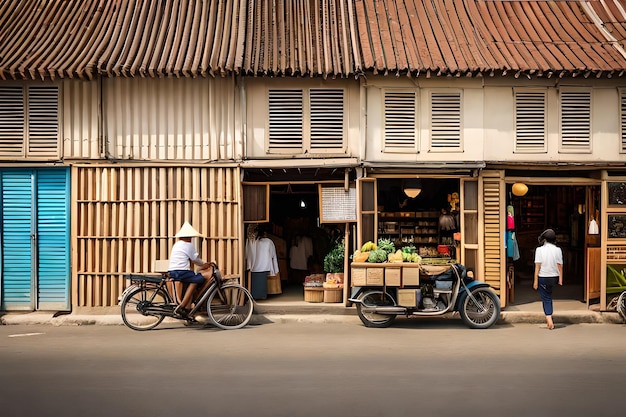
(151, 298)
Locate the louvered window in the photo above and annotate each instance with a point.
(530, 121)
(623, 121)
(400, 120)
(445, 113)
(306, 120)
(575, 121)
(29, 122)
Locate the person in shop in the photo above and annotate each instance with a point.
(182, 256)
(548, 271)
(300, 255)
(262, 261)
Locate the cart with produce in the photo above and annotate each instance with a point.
(388, 282)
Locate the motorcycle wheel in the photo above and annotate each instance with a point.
(374, 299)
(482, 311)
(621, 305)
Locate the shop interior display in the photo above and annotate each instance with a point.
(427, 221)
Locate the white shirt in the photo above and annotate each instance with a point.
(300, 252)
(182, 253)
(549, 256)
(264, 258)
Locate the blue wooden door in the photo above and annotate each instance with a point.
(35, 239)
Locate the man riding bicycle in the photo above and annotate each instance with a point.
(182, 256)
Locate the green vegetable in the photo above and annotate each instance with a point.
(377, 256)
(386, 245)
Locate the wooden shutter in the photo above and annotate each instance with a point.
(493, 219)
(285, 120)
(530, 121)
(400, 120)
(367, 226)
(327, 119)
(445, 120)
(43, 121)
(11, 121)
(576, 120)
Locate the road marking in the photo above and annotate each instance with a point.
(25, 334)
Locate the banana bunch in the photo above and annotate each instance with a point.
(369, 246)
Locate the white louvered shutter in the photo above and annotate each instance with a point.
(285, 120)
(11, 121)
(327, 119)
(400, 121)
(530, 121)
(43, 121)
(575, 120)
(445, 120)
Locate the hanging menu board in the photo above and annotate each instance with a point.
(338, 205)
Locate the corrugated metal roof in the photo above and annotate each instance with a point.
(83, 38)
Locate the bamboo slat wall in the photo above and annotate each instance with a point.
(125, 218)
(172, 119)
(494, 256)
(80, 114)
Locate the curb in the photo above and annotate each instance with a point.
(506, 317)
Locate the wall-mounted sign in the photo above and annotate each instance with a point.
(337, 204)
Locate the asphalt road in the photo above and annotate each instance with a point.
(415, 368)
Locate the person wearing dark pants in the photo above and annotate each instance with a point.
(548, 271)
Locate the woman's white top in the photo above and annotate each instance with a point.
(263, 256)
(549, 256)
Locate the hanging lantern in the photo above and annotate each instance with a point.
(520, 189)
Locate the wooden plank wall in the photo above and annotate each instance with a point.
(125, 218)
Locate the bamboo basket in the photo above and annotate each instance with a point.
(333, 295)
(313, 294)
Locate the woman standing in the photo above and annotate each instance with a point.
(548, 271)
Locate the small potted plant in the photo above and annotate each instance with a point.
(333, 262)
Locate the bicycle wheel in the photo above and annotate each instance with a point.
(230, 307)
(621, 305)
(142, 308)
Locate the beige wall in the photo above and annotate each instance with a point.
(499, 141)
(472, 116)
(257, 112)
(172, 118)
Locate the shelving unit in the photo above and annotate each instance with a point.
(402, 228)
(531, 212)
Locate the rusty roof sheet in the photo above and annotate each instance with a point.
(336, 38)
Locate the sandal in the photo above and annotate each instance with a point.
(181, 311)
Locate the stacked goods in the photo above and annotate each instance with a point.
(385, 251)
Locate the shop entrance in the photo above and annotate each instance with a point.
(562, 208)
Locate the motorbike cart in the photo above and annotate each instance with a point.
(442, 289)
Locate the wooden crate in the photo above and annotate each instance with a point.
(314, 294)
(358, 276)
(375, 276)
(407, 297)
(410, 275)
(393, 276)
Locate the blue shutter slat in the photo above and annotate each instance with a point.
(53, 239)
(17, 190)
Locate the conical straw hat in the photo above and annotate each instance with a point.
(187, 231)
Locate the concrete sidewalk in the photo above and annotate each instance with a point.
(566, 312)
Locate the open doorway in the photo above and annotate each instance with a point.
(562, 208)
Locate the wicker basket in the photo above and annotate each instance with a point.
(313, 294)
(333, 295)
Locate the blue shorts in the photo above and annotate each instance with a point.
(187, 276)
